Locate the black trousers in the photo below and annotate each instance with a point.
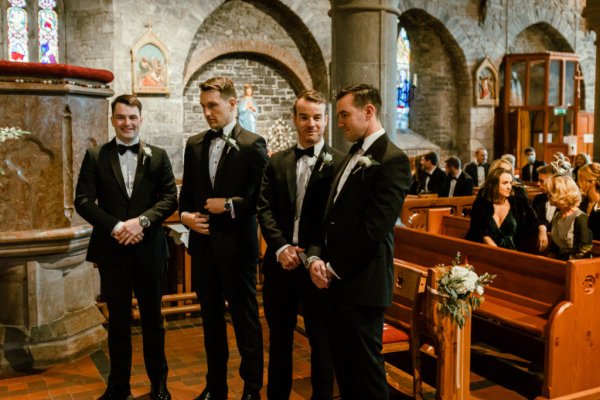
(355, 333)
(283, 293)
(119, 278)
(214, 283)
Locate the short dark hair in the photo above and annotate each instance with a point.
(363, 94)
(490, 186)
(128, 100)
(432, 157)
(453, 162)
(219, 84)
(314, 96)
(529, 149)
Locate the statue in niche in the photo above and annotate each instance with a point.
(247, 110)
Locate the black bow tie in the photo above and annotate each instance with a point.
(427, 174)
(310, 151)
(210, 135)
(356, 146)
(121, 148)
(480, 165)
(453, 178)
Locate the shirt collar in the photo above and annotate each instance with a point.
(369, 140)
(227, 129)
(134, 141)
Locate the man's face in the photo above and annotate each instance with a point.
(481, 156)
(451, 171)
(541, 181)
(353, 120)
(126, 120)
(426, 164)
(530, 156)
(217, 111)
(310, 120)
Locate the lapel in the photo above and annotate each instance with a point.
(116, 166)
(290, 173)
(203, 160)
(139, 170)
(335, 184)
(225, 155)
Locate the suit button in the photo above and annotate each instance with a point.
(331, 223)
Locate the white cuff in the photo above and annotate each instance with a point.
(117, 227)
(281, 249)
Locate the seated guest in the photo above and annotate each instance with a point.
(417, 177)
(504, 163)
(580, 160)
(456, 183)
(479, 168)
(499, 217)
(434, 177)
(589, 182)
(541, 205)
(529, 170)
(511, 159)
(571, 237)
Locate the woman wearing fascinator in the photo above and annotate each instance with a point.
(589, 182)
(571, 237)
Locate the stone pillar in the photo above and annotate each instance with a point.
(592, 13)
(364, 47)
(47, 309)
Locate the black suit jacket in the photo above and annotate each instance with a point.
(277, 201)
(464, 186)
(233, 240)
(358, 236)
(526, 175)
(101, 199)
(471, 169)
(435, 182)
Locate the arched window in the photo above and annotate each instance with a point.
(18, 42)
(29, 26)
(404, 86)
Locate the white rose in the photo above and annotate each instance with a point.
(480, 290)
(469, 279)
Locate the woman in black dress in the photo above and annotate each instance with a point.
(589, 183)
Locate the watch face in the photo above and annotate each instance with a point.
(145, 222)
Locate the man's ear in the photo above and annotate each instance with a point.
(370, 110)
(232, 101)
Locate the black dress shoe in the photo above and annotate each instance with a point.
(160, 393)
(206, 395)
(251, 396)
(116, 393)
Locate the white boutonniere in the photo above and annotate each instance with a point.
(231, 143)
(365, 162)
(326, 160)
(147, 153)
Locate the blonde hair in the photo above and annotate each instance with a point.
(563, 192)
(590, 172)
(502, 163)
(220, 84)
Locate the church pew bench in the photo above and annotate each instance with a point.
(552, 301)
(415, 206)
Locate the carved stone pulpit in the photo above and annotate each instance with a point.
(47, 310)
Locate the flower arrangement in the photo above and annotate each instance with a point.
(280, 136)
(7, 133)
(461, 290)
(365, 162)
(327, 160)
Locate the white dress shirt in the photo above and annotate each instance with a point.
(217, 145)
(453, 184)
(128, 163)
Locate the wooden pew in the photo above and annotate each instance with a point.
(413, 207)
(552, 301)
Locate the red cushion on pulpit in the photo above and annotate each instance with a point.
(28, 69)
(393, 335)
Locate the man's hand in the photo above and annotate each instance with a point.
(196, 221)
(215, 206)
(131, 232)
(289, 259)
(319, 274)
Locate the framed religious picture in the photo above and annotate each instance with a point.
(150, 65)
(486, 84)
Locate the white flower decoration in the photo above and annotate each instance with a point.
(230, 142)
(327, 160)
(147, 151)
(365, 162)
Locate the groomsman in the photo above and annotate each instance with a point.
(292, 200)
(223, 167)
(434, 176)
(479, 168)
(457, 182)
(354, 262)
(126, 190)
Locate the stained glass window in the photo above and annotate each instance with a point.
(403, 84)
(18, 49)
(48, 32)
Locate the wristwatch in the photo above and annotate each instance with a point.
(144, 221)
(310, 260)
(227, 205)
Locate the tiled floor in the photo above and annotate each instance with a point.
(84, 378)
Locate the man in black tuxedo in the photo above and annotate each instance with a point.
(292, 200)
(223, 167)
(457, 183)
(354, 261)
(126, 189)
(479, 168)
(434, 176)
(529, 171)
